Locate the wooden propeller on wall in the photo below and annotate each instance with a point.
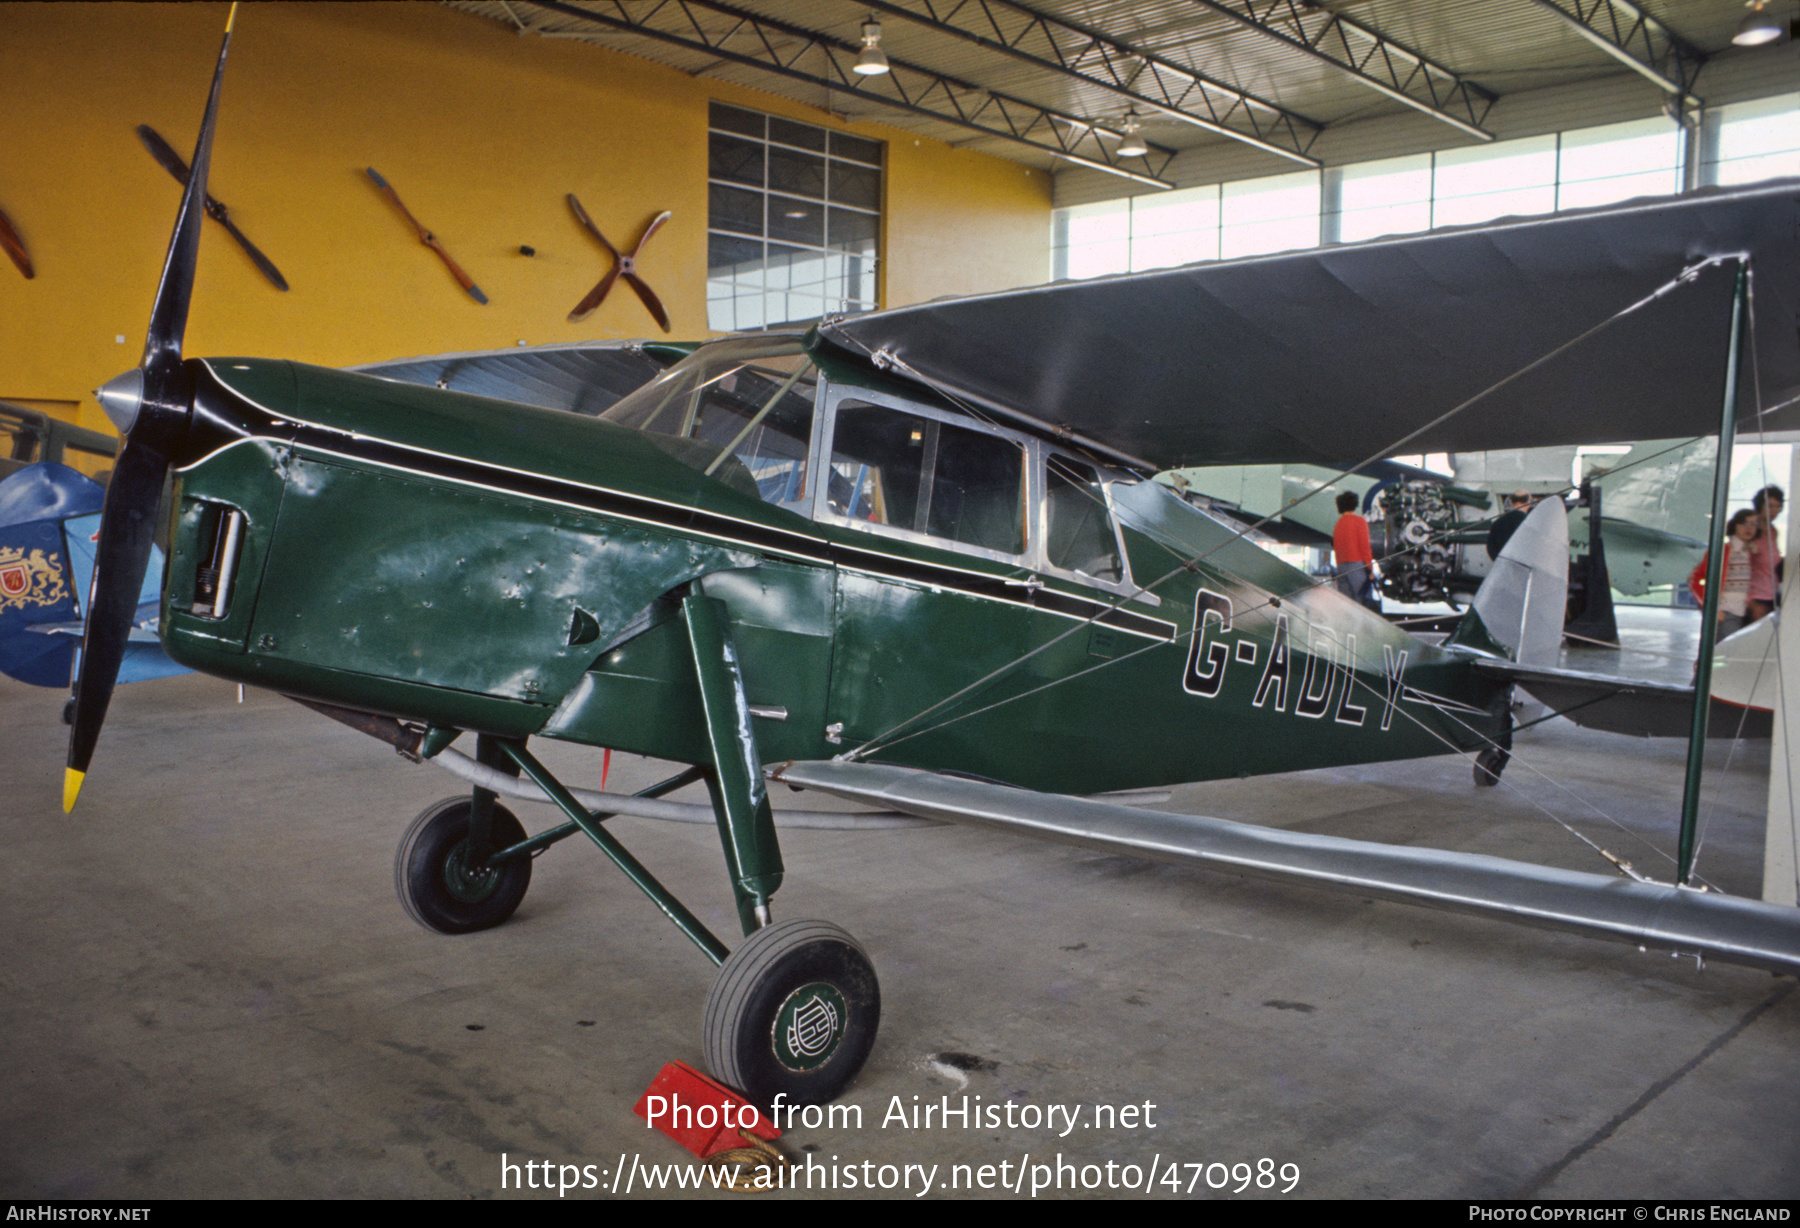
(171, 161)
(15, 247)
(623, 266)
(429, 240)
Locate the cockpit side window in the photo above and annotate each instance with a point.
(893, 468)
(740, 411)
(1080, 536)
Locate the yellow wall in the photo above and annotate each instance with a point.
(481, 132)
(961, 222)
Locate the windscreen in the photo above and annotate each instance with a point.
(738, 410)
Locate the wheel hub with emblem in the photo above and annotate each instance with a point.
(793, 1013)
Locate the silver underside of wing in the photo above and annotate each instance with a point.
(1644, 914)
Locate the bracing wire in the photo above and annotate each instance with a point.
(1351, 679)
(888, 737)
(1686, 276)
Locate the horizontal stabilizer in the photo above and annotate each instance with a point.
(1744, 673)
(1646, 914)
(1630, 706)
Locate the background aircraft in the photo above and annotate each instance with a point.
(588, 378)
(49, 520)
(1431, 526)
(49, 525)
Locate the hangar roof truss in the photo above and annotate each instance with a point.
(1051, 83)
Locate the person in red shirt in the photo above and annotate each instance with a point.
(1735, 573)
(1354, 560)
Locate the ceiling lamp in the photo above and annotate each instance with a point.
(1133, 145)
(873, 60)
(1757, 27)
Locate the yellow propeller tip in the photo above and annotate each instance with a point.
(71, 788)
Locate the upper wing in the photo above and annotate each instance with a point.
(586, 379)
(1329, 355)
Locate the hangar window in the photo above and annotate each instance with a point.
(1597, 166)
(1752, 141)
(794, 221)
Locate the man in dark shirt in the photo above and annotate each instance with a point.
(1508, 524)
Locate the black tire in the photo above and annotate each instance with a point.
(794, 1010)
(438, 890)
(68, 711)
(1488, 766)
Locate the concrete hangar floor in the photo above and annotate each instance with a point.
(211, 990)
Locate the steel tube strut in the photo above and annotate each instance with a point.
(1715, 562)
(545, 839)
(673, 908)
(740, 799)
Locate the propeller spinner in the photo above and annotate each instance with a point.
(151, 406)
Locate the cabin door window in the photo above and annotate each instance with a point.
(899, 470)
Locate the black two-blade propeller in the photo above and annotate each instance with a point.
(151, 406)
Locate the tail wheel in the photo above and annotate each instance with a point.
(1488, 766)
(794, 1010)
(442, 887)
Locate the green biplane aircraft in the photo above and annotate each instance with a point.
(915, 542)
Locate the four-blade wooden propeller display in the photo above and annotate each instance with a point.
(152, 407)
(623, 266)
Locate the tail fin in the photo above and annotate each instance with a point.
(1521, 604)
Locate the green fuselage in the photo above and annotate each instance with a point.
(483, 565)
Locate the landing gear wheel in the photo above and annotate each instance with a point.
(68, 711)
(1488, 766)
(794, 1009)
(438, 886)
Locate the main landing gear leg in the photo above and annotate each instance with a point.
(793, 1011)
(735, 781)
(795, 1008)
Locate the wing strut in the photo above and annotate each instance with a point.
(1709, 614)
